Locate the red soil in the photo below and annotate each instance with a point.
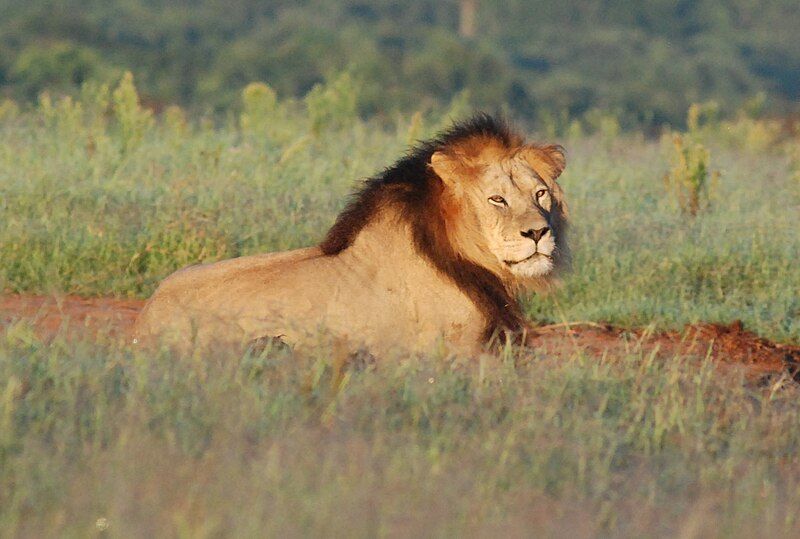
(80, 315)
(729, 345)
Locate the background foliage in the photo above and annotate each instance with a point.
(644, 61)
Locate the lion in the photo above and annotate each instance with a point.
(433, 251)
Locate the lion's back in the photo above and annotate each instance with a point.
(185, 298)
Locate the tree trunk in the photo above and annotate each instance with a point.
(467, 18)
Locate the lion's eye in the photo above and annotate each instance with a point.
(540, 193)
(497, 200)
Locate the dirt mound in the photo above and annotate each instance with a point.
(736, 344)
(728, 344)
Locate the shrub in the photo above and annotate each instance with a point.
(690, 178)
(175, 121)
(8, 109)
(133, 120)
(794, 158)
(59, 67)
(605, 123)
(333, 104)
(259, 102)
(65, 116)
(747, 129)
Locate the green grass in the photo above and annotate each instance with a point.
(270, 445)
(99, 200)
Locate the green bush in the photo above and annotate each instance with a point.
(690, 178)
(133, 120)
(333, 105)
(59, 66)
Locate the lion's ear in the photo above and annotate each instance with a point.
(548, 161)
(448, 168)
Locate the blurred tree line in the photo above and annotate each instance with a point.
(645, 62)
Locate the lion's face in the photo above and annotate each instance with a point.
(514, 208)
(516, 205)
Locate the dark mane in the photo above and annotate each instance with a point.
(411, 187)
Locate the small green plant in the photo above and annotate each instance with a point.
(551, 122)
(605, 123)
(755, 106)
(690, 177)
(414, 128)
(96, 100)
(755, 134)
(8, 109)
(259, 103)
(574, 130)
(702, 115)
(175, 121)
(460, 105)
(134, 121)
(794, 159)
(333, 105)
(747, 129)
(65, 116)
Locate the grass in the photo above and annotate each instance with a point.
(268, 445)
(99, 198)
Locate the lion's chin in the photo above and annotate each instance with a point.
(535, 266)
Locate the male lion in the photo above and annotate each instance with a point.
(435, 247)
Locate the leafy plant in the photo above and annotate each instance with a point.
(259, 102)
(334, 104)
(690, 178)
(175, 121)
(8, 109)
(133, 120)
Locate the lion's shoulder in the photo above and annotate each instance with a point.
(412, 190)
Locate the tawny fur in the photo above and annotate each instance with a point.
(420, 257)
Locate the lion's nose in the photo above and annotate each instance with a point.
(535, 235)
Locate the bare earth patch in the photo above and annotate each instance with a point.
(80, 316)
(730, 345)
